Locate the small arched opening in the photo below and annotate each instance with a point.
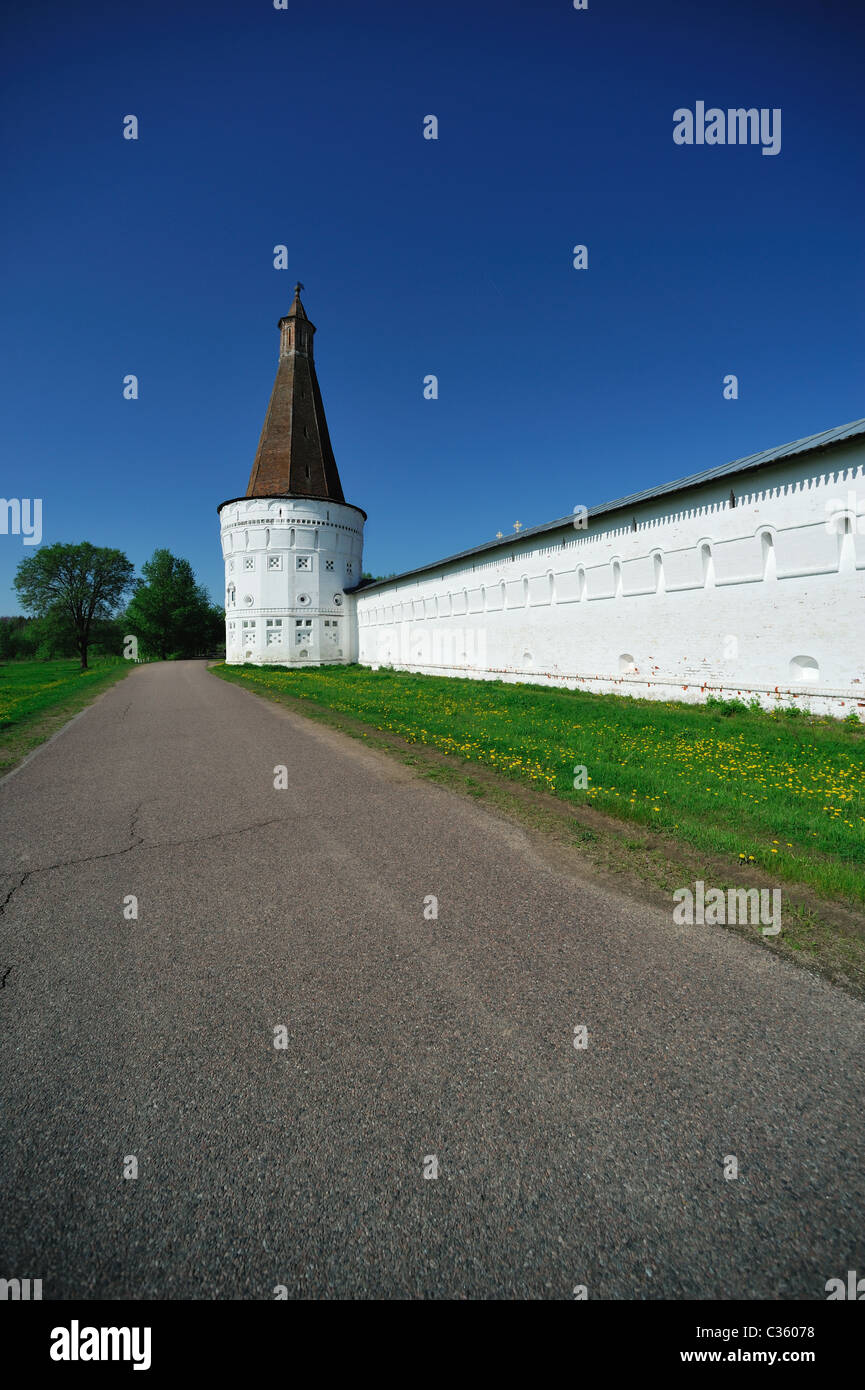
(804, 670)
(658, 569)
(708, 564)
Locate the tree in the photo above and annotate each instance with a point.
(77, 584)
(169, 613)
(53, 635)
(15, 638)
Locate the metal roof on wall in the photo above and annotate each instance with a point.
(826, 439)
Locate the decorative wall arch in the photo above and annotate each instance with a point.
(658, 572)
(767, 550)
(804, 670)
(707, 561)
(846, 542)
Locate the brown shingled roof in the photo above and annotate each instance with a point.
(294, 454)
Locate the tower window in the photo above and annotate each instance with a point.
(249, 562)
(274, 562)
(328, 564)
(304, 562)
(302, 631)
(348, 567)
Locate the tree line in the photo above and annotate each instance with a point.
(85, 598)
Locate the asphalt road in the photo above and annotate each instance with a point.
(406, 1038)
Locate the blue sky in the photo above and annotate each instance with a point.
(454, 257)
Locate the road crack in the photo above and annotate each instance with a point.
(127, 849)
(14, 889)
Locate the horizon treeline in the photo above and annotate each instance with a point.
(83, 599)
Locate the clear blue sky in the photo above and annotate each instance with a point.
(304, 127)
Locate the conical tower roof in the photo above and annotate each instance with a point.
(294, 455)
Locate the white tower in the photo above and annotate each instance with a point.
(292, 546)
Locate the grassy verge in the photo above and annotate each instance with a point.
(39, 697)
(786, 794)
(674, 792)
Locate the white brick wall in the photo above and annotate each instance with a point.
(763, 597)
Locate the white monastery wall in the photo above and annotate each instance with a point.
(678, 597)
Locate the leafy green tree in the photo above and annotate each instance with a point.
(214, 629)
(169, 613)
(108, 635)
(78, 585)
(53, 635)
(16, 638)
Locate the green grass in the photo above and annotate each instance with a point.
(786, 794)
(38, 697)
